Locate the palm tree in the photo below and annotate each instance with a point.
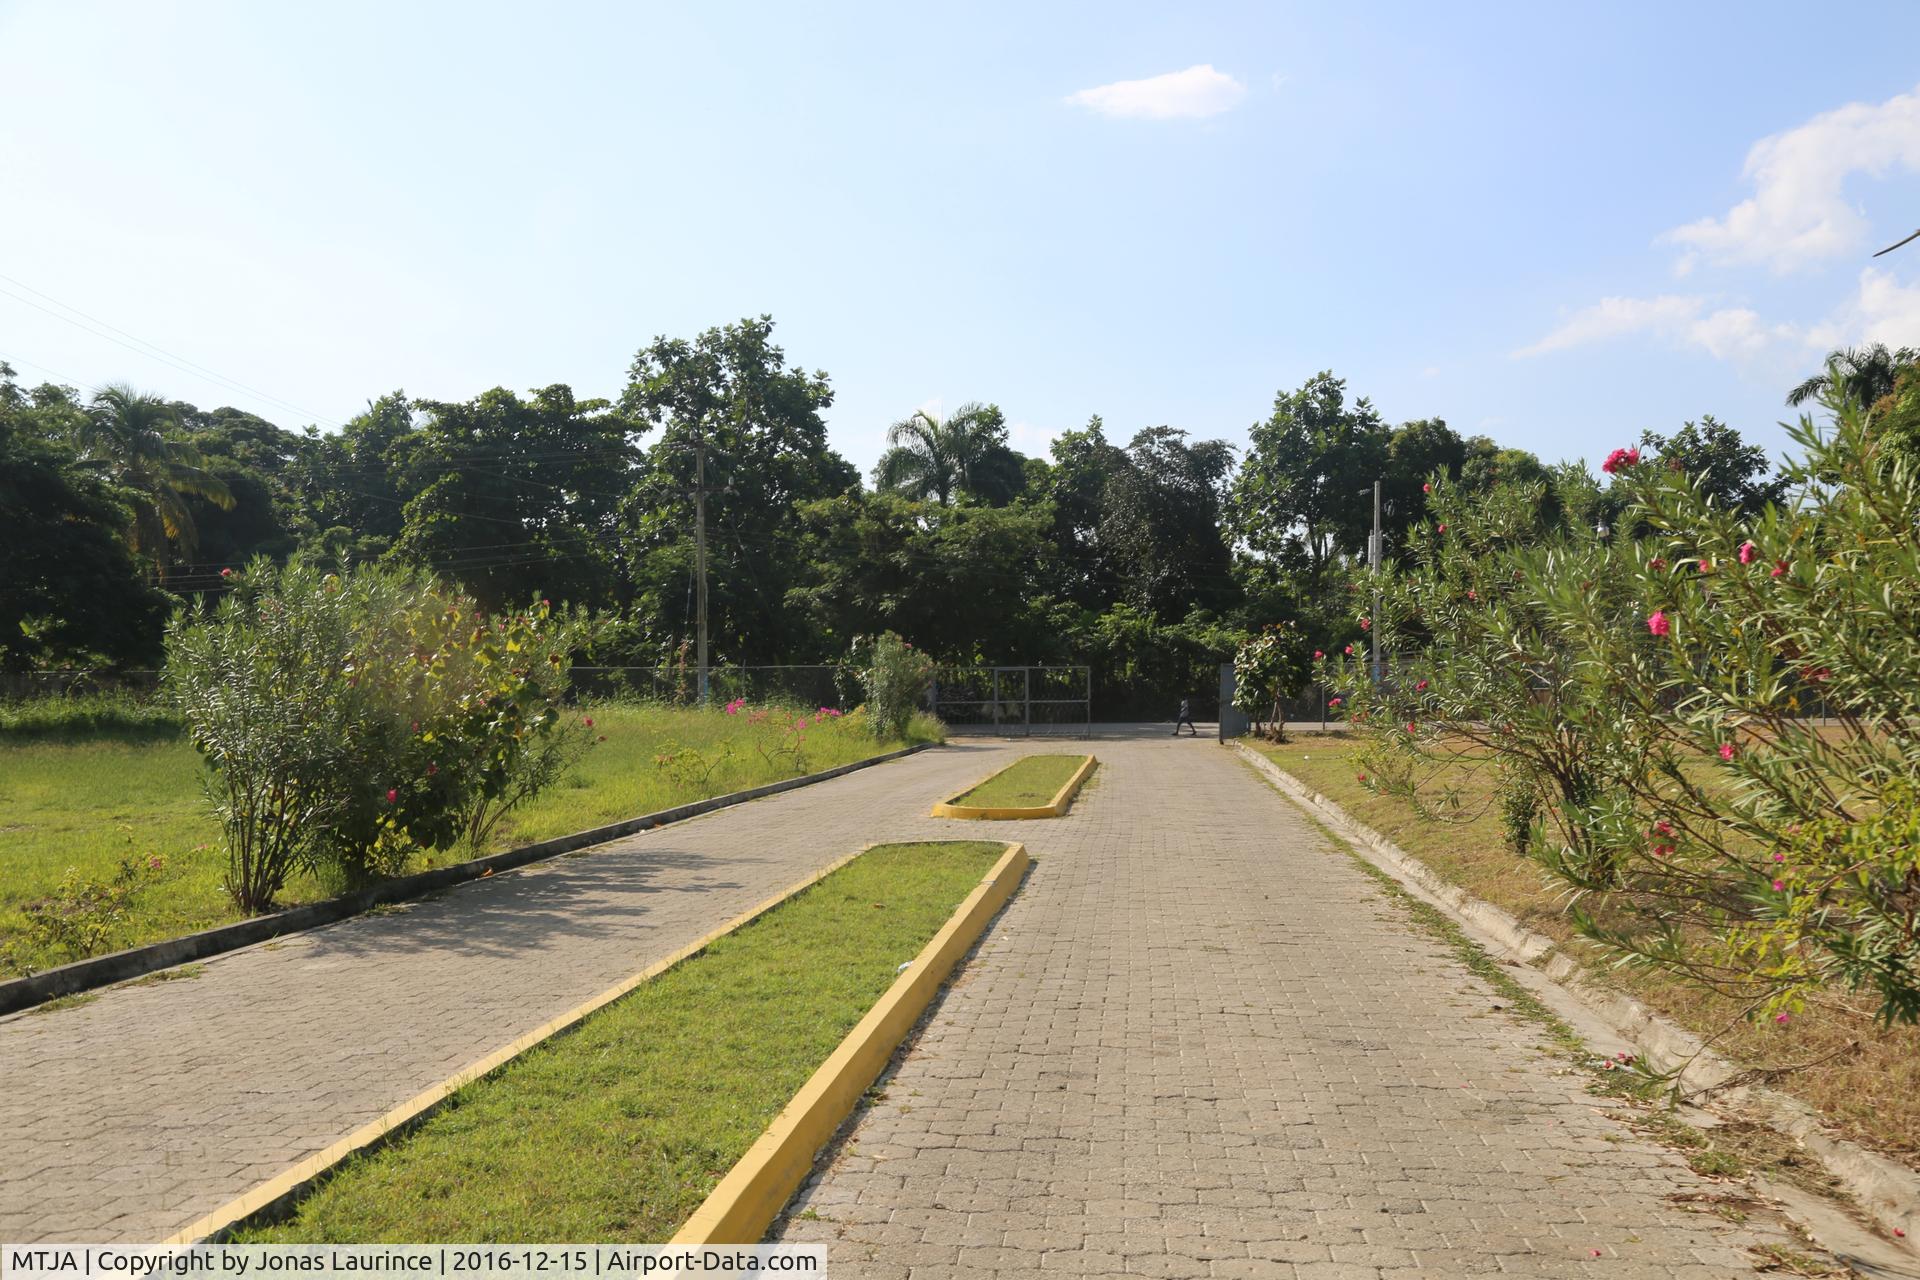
(930, 458)
(1862, 374)
(124, 434)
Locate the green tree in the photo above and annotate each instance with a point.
(1298, 496)
(966, 583)
(515, 497)
(1864, 374)
(1415, 452)
(929, 457)
(731, 395)
(71, 592)
(345, 486)
(131, 436)
(1728, 472)
(1159, 527)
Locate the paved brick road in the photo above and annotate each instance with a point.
(1202, 1043)
(130, 1117)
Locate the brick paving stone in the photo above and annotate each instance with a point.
(1201, 1042)
(130, 1117)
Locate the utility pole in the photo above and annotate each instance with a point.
(1374, 549)
(700, 551)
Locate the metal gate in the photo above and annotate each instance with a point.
(1014, 700)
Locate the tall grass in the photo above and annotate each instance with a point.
(88, 715)
(77, 799)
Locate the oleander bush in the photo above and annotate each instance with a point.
(1706, 729)
(896, 677)
(347, 720)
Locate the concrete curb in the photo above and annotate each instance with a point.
(1054, 808)
(744, 1204)
(1888, 1191)
(100, 971)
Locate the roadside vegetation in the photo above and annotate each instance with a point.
(80, 803)
(618, 1129)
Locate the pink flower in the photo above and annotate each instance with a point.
(1426, 488)
(1360, 777)
(1421, 687)
(153, 864)
(432, 769)
(1706, 566)
(1333, 702)
(1366, 624)
(1746, 553)
(393, 795)
(1782, 1018)
(1657, 623)
(1411, 727)
(1779, 569)
(1317, 655)
(546, 604)
(1440, 528)
(1726, 751)
(226, 573)
(1779, 886)
(588, 721)
(1620, 460)
(1779, 857)
(1472, 594)
(1349, 651)
(1656, 564)
(1664, 827)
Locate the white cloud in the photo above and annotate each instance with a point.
(1193, 94)
(1884, 310)
(1680, 320)
(1617, 317)
(1798, 213)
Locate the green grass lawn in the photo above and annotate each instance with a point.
(1027, 783)
(617, 1130)
(84, 800)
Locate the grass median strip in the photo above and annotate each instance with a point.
(617, 1130)
(1027, 783)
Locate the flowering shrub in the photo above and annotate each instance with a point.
(1492, 671)
(1649, 706)
(896, 677)
(1267, 670)
(1767, 853)
(349, 720)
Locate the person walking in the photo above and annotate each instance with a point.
(1186, 718)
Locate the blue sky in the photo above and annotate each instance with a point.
(1551, 227)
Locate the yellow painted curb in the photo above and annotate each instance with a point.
(747, 1200)
(367, 1135)
(1052, 809)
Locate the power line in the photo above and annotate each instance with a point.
(152, 351)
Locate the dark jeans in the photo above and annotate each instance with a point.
(1187, 721)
